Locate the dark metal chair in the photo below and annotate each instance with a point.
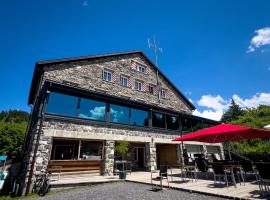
(248, 169)
(264, 176)
(162, 174)
(202, 166)
(218, 171)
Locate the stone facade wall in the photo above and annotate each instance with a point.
(62, 128)
(88, 75)
(108, 165)
(151, 156)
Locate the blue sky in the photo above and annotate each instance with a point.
(210, 48)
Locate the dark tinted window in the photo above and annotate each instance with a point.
(62, 104)
(138, 117)
(65, 150)
(92, 109)
(196, 124)
(172, 122)
(158, 120)
(208, 125)
(186, 125)
(119, 114)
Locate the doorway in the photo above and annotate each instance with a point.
(140, 157)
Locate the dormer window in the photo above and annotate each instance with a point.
(140, 68)
(107, 75)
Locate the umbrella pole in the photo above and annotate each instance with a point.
(227, 146)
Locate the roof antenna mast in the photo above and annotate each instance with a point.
(155, 47)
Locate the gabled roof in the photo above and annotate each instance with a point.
(39, 69)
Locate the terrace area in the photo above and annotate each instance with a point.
(202, 186)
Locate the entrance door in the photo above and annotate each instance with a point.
(140, 157)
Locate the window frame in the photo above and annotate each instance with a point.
(108, 72)
(151, 86)
(163, 93)
(141, 85)
(140, 68)
(122, 77)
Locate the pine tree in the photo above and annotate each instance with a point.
(233, 112)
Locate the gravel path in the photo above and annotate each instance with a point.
(124, 190)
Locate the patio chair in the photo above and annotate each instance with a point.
(202, 166)
(248, 169)
(162, 174)
(218, 171)
(190, 171)
(264, 176)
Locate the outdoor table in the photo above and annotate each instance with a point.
(124, 164)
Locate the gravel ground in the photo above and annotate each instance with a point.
(124, 190)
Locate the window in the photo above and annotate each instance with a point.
(124, 81)
(186, 125)
(65, 150)
(138, 117)
(138, 85)
(107, 76)
(151, 89)
(119, 114)
(172, 122)
(91, 150)
(163, 93)
(196, 124)
(91, 109)
(62, 104)
(158, 120)
(140, 68)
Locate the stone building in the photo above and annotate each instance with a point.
(82, 107)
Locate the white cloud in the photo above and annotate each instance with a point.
(255, 101)
(209, 114)
(85, 3)
(213, 102)
(216, 105)
(261, 38)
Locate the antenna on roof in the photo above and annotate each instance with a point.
(155, 47)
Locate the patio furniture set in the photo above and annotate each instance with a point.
(227, 172)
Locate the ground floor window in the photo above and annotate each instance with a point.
(91, 150)
(76, 150)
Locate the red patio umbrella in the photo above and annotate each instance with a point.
(224, 133)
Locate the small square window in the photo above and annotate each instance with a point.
(151, 89)
(163, 93)
(107, 76)
(140, 68)
(124, 81)
(138, 85)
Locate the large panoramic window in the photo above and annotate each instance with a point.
(62, 104)
(65, 150)
(186, 125)
(91, 150)
(196, 124)
(91, 109)
(138, 117)
(119, 114)
(158, 120)
(172, 122)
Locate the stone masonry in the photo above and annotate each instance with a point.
(109, 158)
(88, 75)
